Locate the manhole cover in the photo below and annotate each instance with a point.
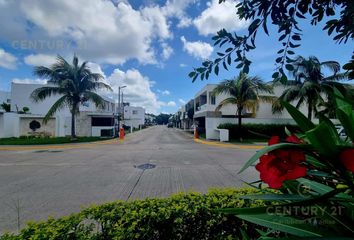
(146, 166)
(56, 151)
(41, 151)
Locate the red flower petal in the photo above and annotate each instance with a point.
(297, 172)
(274, 140)
(293, 139)
(347, 158)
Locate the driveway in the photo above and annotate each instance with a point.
(35, 184)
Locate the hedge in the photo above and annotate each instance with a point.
(182, 216)
(258, 131)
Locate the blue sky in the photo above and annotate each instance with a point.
(148, 45)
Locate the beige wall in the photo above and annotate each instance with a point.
(46, 129)
(83, 124)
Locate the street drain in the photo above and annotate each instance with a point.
(146, 166)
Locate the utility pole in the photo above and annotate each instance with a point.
(119, 106)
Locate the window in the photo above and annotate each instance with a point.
(212, 100)
(135, 112)
(102, 122)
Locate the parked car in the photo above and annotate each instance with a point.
(170, 125)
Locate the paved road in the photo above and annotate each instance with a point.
(38, 184)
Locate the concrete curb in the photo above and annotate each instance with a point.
(227, 145)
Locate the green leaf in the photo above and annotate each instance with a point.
(191, 74)
(324, 139)
(284, 224)
(216, 70)
(275, 75)
(314, 162)
(315, 186)
(274, 197)
(304, 123)
(265, 150)
(289, 67)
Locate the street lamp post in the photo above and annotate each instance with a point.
(119, 112)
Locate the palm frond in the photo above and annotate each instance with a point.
(267, 99)
(94, 97)
(227, 101)
(277, 107)
(42, 93)
(331, 65)
(336, 77)
(59, 104)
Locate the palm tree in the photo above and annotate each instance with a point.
(244, 92)
(310, 85)
(73, 82)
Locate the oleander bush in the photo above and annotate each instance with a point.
(258, 131)
(182, 216)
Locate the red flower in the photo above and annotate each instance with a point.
(293, 139)
(280, 165)
(347, 158)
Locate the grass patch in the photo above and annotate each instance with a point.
(47, 140)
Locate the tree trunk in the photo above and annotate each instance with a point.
(73, 113)
(309, 110)
(239, 113)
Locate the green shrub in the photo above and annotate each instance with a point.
(182, 216)
(257, 131)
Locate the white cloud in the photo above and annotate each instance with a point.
(181, 101)
(184, 22)
(166, 51)
(40, 59)
(29, 81)
(177, 9)
(96, 68)
(218, 16)
(199, 49)
(164, 92)
(171, 104)
(7, 60)
(106, 33)
(138, 91)
(183, 65)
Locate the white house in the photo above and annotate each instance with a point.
(90, 122)
(134, 116)
(208, 119)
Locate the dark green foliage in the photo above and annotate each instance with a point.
(286, 16)
(183, 216)
(5, 106)
(349, 67)
(162, 118)
(34, 125)
(258, 131)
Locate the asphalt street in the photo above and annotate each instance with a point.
(36, 184)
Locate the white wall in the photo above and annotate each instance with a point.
(134, 116)
(96, 131)
(11, 124)
(1, 125)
